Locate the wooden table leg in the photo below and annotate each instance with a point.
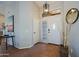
(12, 41)
(0, 40)
(6, 43)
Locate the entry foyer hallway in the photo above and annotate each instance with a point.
(30, 28)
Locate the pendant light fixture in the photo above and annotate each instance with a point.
(46, 7)
(46, 11)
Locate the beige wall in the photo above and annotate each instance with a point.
(1, 19)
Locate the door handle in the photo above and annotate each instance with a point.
(48, 30)
(34, 32)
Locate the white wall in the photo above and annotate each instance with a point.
(24, 14)
(36, 18)
(25, 29)
(74, 33)
(2, 11)
(11, 8)
(27, 14)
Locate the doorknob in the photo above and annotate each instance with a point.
(34, 32)
(48, 30)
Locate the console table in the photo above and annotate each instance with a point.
(6, 37)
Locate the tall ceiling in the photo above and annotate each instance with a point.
(53, 4)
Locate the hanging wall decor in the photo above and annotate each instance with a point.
(71, 17)
(10, 24)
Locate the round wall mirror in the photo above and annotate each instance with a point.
(72, 16)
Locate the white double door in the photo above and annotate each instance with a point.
(52, 29)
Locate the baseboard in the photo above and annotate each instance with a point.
(55, 44)
(38, 43)
(24, 47)
(49, 43)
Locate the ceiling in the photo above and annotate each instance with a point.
(40, 3)
(1, 3)
(53, 4)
